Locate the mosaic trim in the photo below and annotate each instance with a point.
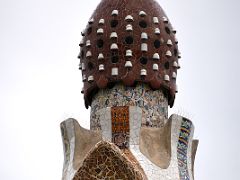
(120, 126)
(182, 147)
(154, 104)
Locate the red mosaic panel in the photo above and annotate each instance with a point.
(120, 126)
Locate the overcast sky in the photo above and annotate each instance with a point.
(40, 82)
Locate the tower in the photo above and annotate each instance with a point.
(129, 59)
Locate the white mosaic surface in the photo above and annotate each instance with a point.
(106, 123)
(135, 124)
(68, 137)
(154, 172)
(189, 154)
(154, 104)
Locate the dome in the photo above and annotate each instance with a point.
(129, 42)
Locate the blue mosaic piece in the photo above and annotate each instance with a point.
(182, 149)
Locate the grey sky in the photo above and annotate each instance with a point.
(41, 84)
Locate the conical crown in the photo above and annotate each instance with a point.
(129, 42)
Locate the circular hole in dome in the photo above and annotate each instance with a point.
(90, 66)
(89, 30)
(100, 43)
(129, 39)
(143, 60)
(167, 30)
(175, 52)
(114, 58)
(114, 23)
(143, 24)
(166, 65)
(157, 43)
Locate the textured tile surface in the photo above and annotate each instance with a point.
(106, 161)
(154, 104)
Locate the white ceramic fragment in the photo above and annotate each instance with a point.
(129, 27)
(81, 43)
(88, 43)
(166, 77)
(144, 36)
(143, 72)
(84, 78)
(142, 13)
(90, 79)
(174, 75)
(128, 64)
(88, 54)
(101, 67)
(155, 67)
(169, 53)
(114, 71)
(156, 56)
(155, 20)
(113, 35)
(100, 56)
(169, 42)
(100, 31)
(144, 47)
(165, 20)
(129, 18)
(179, 55)
(114, 46)
(115, 12)
(175, 64)
(101, 22)
(91, 21)
(157, 31)
(129, 53)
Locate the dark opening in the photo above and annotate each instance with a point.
(167, 30)
(114, 23)
(129, 39)
(89, 30)
(114, 58)
(157, 43)
(100, 43)
(143, 60)
(143, 24)
(90, 66)
(166, 65)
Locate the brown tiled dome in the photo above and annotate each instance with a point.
(129, 42)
